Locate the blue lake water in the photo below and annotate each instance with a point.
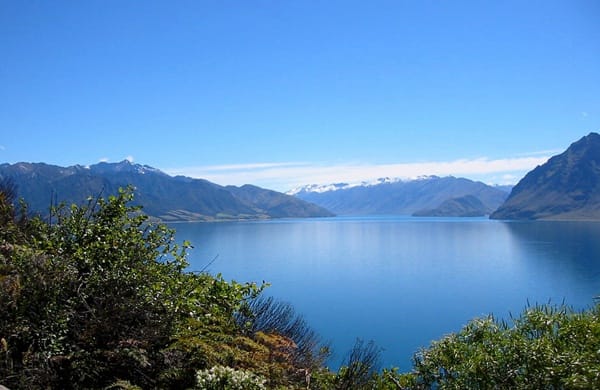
(403, 281)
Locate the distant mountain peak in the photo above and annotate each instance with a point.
(320, 188)
(124, 166)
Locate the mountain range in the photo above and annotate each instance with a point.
(162, 196)
(566, 187)
(425, 196)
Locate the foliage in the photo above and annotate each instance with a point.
(391, 379)
(227, 378)
(361, 364)
(546, 347)
(98, 296)
(359, 371)
(272, 341)
(551, 347)
(266, 315)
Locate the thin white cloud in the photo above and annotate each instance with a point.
(287, 175)
(129, 158)
(509, 177)
(103, 159)
(549, 152)
(245, 167)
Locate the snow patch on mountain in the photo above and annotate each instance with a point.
(320, 188)
(124, 166)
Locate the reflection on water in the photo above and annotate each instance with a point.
(403, 281)
(572, 248)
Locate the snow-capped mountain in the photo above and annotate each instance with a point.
(399, 196)
(124, 166)
(320, 188)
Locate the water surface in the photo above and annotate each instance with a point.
(403, 281)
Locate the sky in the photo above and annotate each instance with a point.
(285, 93)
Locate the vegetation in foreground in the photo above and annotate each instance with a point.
(99, 297)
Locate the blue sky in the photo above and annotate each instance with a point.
(283, 93)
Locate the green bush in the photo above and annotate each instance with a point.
(98, 294)
(547, 347)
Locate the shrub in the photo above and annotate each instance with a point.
(99, 295)
(547, 347)
(267, 315)
(227, 378)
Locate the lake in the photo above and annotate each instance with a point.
(402, 281)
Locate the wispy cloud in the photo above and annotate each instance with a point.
(287, 175)
(542, 153)
(247, 167)
(103, 159)
(129, 158)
